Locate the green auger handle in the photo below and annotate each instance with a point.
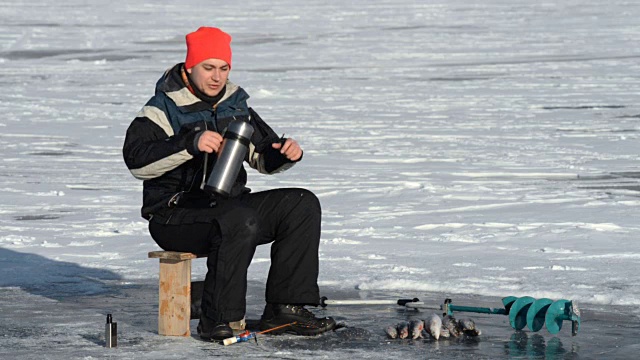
(448, 308)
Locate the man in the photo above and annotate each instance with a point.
(172, 145)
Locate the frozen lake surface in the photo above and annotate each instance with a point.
(72, 328)
(470, 151)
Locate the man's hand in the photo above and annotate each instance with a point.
(290, 149)
(209, 142)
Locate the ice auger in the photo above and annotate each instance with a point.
(523, 311)
(526, 311)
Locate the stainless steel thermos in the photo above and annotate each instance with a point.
(235, 145)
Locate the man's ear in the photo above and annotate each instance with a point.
(189, 70)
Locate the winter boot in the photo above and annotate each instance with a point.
(305, 322)
(210, 330)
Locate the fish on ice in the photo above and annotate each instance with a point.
(391, 331)
(433, 326)
(468, 327)
(451, 324)
(403, 330)
(415, 328)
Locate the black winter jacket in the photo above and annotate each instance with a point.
(159, 146)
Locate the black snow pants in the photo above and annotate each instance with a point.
(229, 234)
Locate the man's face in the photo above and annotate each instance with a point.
(210, 76)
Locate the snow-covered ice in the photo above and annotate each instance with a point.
(463, 149)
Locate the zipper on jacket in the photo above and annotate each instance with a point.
(206, 155)
(206, 161)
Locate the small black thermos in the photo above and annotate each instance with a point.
(111, 333)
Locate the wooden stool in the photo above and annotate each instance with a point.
(174, 294)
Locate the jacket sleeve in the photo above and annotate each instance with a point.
(151, 148)
(262, 156)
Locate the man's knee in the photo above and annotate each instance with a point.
(309, 202)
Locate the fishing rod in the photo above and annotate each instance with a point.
(248, 335)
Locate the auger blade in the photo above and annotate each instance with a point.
(574, 316)
(518, 312)
(537, 314)
(508, 301)
(556, 313)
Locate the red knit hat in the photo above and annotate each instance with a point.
(207, 43)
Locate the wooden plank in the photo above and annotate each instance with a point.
(174, 308)
(174, 255)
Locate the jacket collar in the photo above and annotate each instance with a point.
(174, 83)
